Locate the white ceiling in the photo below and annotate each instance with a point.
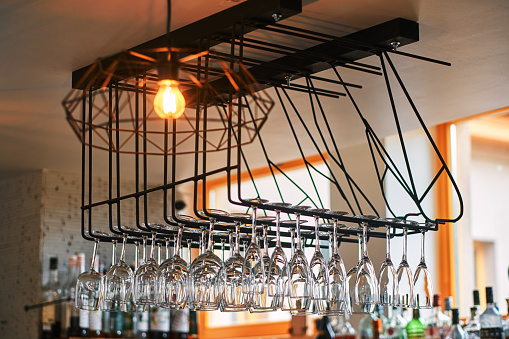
(42, 42)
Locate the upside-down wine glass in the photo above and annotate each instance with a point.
(262, 301)
(286, 303)
(206, 277)
(88, 286)
(387, 279)
(300, 278)
(173, 275)
(405, 278)
(233, 298)
(423, 285)
(145, 280)
(252, 257)
(366, 283)
(318, 267)
(278, 262)
(338, 288)
(352, 305)
(117, 284)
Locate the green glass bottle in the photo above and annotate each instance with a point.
(415, 327)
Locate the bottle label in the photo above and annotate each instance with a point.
(492, 333)
(95, 320)
(180, 321)
(84, 321)
(159, 320)
(143, 322)
(48, 317)
(433, 332)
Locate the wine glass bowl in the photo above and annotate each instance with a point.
(422, 284)
(89, 286)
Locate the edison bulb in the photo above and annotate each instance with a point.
(169, 103)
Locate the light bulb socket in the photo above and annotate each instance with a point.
(168, 69)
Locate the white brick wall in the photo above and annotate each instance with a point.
(41, 218)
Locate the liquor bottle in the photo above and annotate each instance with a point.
(438, 324)
(83, 316)
(106, 324)
(473, 327)
(116, 324)
(95, 323)
(448, 304)
(415, 327)
(344, 330)
(506, 322)
(142, 323)
(51, 314)
(456, 331)
(84, 323)
(159, 323)
(193, 324)
(474, 317)
(179, 325)
(396, 324)
(366, 326)
(71, 317)
(491, 319)
(324, 328)
(128, 325)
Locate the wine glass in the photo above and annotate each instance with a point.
(286, 303)
(405, 277)
(252, 257)
(88, 286)
(206, 276)
(262, 301)
(338, 288)
(423, 285)
(318, 266)
(146, 278)
(233, 297)
(173, 275)
(351, 279)
(300, 279)
(366, 284)
(278, 262)
(117, 282)
(387, 279)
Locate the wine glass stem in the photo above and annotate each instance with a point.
(265, 241)
(167, 248)
(278, 228)
(144, 249)
(211, 232)
(364, 240)
(237, 246)
(96, 244)
(405, 233)
(178, 242)
(387, 242)
(297, 230)
(335, 237)
(253, 226)
(113, 251)
(317, 238)
(122, 253)
(136, 254)
(222, 250)
(152, 245)
(359, 240)
(422, 247)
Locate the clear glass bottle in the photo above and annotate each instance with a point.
(51, 314)
(366, 326)
(415, 328)
(396, 324)
(473, 327)
(344, 330)
(491, 319)
(456, 331)
(506, 322)
(179, 326)
(438, 324)
(476, 304)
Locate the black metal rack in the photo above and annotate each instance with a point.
(109, 109)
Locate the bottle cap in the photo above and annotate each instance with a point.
(436, 300)
(53, 263)
(455, 316)
(477, 300)
(448, 303)
(489, 295)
